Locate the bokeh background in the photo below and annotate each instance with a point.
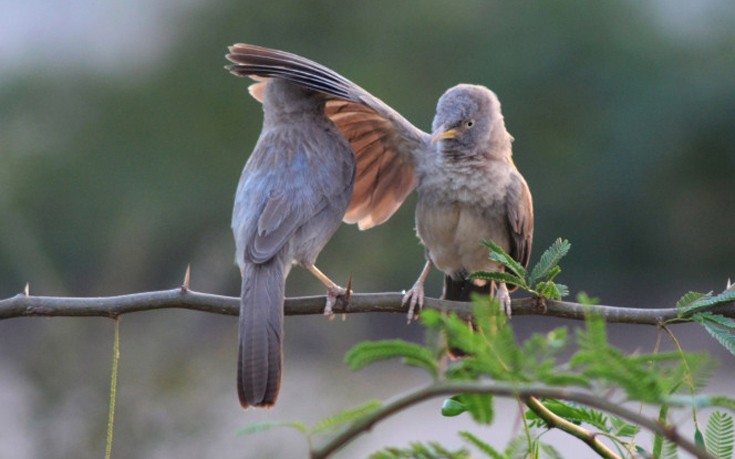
(122, 139)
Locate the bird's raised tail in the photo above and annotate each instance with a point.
(462, 289)
(260, 357)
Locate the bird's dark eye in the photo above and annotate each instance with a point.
(470, 123)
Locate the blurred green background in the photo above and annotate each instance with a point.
(122, 139)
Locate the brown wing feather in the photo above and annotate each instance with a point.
(519, 205)
(384, 176)
(383, 141)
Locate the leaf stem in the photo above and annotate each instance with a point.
(554, 421)
(113, 389)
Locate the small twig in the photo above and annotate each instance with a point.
(365, 423)
(113, 389)
(25, 305)
(554, 421)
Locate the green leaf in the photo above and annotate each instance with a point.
(584, 298)
(481, 445)
(431, 318)
(549, 259)
(698, 438)
(722, 402)
(267, 425)
(621, 428)
(550, 452)
(562, 289)
(702, 401)
(670, 450)
(452, 407)
(498, 254)
(575, 414)
(722, 335)
(689, 299)
(480, 406)
(719, 435)
(658, 440)
(518, 447)
(346, 416)
(716, 318)
(496, 276)
(704, 301)
(431, 450)
(369, 352)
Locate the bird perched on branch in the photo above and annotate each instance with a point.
(469, 189)
(291, 197)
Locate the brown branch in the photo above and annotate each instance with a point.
(365, 423)
(24, 305)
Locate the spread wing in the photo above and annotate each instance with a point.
(385, 143)
(519, 206)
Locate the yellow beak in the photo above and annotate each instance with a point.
(441, 135)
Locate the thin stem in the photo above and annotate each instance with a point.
(113, 389)
(687, 372)
(526, 428)
(554, 421)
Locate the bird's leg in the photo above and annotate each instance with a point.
(416, 294)
(504, 297)
(333, 290)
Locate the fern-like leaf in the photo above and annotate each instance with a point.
(722, 335)
(480, 407)
(549, 259)
(339, 419)
(689, 299)
(496, 276)
(551, 290)
(705, 301)
(721, 320)
(431, 450)
(574, 414)
(368, 352)
(488, 450)
(267, 425)
(621, 428)
(719, 435)
(670, 450)
(501, 256)
(549, 451)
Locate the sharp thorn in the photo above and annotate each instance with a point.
(187, 279)
(348, 294)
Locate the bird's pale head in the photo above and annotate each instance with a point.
(468, 123)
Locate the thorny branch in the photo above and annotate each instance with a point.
(26, 305)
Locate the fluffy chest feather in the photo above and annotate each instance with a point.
(458, 207)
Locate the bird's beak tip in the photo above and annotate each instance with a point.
(442, 135)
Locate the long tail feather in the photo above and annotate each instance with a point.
(261, 330)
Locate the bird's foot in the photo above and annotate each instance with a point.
(416, 297)
(504, 297)
(333, 293)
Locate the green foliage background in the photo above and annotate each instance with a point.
(118, 164)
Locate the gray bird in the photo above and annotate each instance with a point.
(469, 189)
(291, 197)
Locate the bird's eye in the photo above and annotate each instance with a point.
(470, 123)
